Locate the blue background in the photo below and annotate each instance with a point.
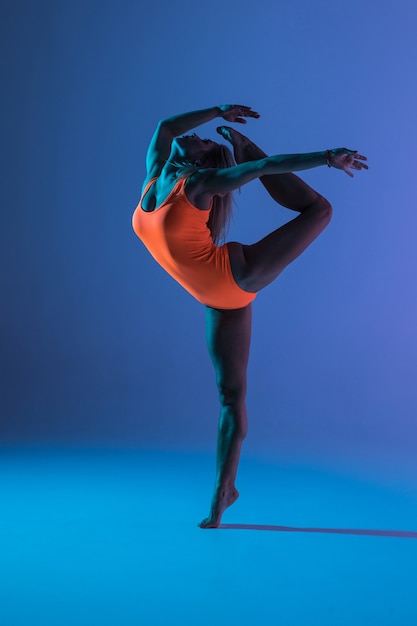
(101, 347)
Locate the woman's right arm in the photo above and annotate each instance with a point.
(166, 131)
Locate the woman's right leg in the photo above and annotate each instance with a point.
(256, 266)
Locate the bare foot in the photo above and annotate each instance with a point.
(221, 501)
(243, 148)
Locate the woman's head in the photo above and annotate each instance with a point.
(191, 154)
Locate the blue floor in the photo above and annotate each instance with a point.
(111, 538)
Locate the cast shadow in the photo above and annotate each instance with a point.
(407, 534)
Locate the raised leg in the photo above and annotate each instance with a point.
(286, 189)
(228, 340)
(257, 265)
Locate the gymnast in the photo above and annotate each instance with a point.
(182, 219)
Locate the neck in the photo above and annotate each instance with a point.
(174, 168)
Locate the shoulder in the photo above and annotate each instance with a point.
(197, 191)
(200, 181)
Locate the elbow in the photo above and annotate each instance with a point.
(166, 127)
(169, 127)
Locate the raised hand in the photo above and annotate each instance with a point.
(236, 113)
(344, 159)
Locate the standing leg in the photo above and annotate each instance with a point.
(228, 340)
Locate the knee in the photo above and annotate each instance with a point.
(324, 209)
(233, 415)
(231, 395)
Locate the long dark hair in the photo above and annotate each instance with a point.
(222, 208)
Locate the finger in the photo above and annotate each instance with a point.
(355, 154)
(247, 111)
(246, 114)
(243, 107)
(358, 165)
(240, 120)
(349, 173)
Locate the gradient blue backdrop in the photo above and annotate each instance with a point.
(100, 346)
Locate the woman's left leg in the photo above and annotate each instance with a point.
(257, 265)
(288, 189)
(228, 339)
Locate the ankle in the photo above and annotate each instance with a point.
(223, 488)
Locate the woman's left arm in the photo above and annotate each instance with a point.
(221, 181)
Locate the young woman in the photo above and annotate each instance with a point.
(182, 217)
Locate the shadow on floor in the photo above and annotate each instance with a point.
(408, 534)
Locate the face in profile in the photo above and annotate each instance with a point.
(192, 147)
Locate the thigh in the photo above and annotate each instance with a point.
(228, 334)
(257, 265)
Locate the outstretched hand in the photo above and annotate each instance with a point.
(236, 113)
(343, 159)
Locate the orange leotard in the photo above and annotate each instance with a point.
(177, 236)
